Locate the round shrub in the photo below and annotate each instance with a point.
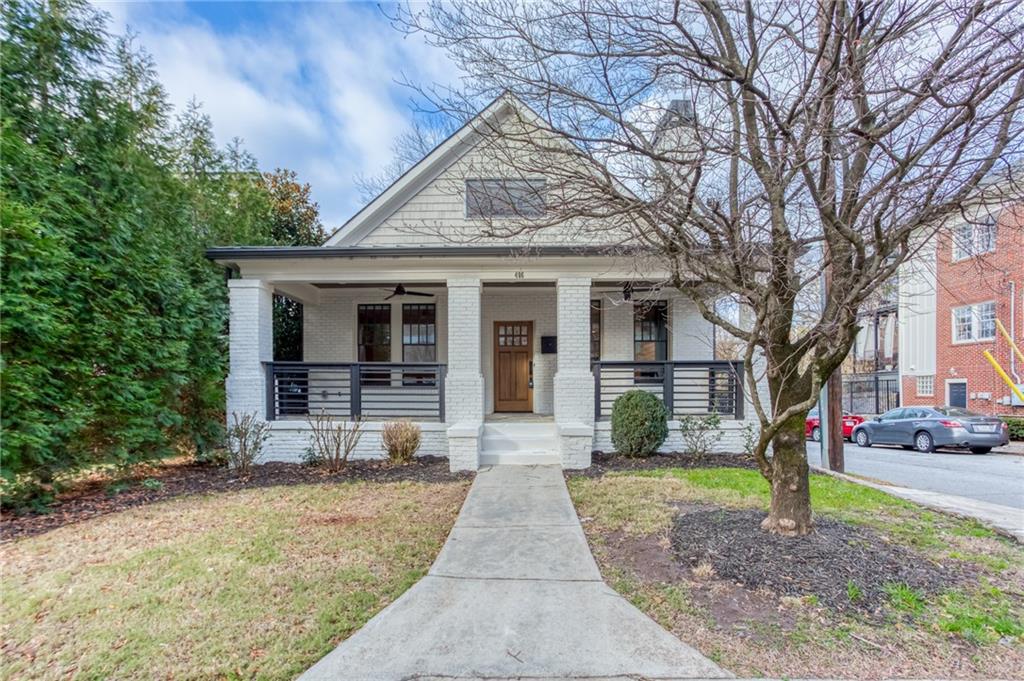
(639, 423)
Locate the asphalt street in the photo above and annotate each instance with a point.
(994, 478)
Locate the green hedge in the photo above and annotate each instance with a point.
(639, 423)
(1016, 427)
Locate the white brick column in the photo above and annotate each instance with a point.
(574, 381)
(464, 385)
(251, 344)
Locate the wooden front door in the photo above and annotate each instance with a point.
(513, 353)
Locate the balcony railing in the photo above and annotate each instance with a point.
(370, 390)
(685, 388)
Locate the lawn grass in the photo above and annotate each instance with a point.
(253, 584)
(974, 631)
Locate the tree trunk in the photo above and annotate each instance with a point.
(790, 511)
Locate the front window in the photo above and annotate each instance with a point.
(595, 330)
(925, 386)
(375, 333)
(419, 339)
(650, 339)
(374, 337)
(970, 240)
(974, 322)
(504, 198)
(650, 331)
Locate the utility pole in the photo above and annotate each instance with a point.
(830, 400)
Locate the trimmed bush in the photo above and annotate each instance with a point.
(245, 437)
(401, 439)
(639, 423)
(1016, 427)
(700, 434)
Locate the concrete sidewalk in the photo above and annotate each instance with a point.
(514, 593)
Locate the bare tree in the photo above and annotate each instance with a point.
(407, 149)
(802, 136)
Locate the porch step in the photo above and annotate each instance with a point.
(519, 443)
(512, 443)
(519, 457)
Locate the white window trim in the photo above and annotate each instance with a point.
(975, 324)
(972, 245)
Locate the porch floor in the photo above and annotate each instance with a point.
(518, 417)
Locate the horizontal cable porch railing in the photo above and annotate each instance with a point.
(370, 390)
(684, 387)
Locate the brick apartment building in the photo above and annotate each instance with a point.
(949, 298)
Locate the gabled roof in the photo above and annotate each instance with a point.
(426, 170)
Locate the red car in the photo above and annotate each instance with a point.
(812, 428)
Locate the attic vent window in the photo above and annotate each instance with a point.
(504, 198)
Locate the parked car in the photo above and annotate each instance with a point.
(812, 427)
(925, 428)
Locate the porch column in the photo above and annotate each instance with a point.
(574, 381)
(464, 385)
(251, 344)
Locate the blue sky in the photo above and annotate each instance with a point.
(309, 86)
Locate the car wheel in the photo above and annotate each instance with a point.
(980, 450)
(816, 434)
(862, 438)
(923, 442)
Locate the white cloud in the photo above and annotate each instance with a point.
(310, 87)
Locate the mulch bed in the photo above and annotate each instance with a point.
(608, 462)
(820, 564)
(96, 497)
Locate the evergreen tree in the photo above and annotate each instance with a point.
(112, 332)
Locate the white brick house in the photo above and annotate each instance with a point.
(501, 350)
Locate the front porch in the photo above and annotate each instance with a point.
(472, 357)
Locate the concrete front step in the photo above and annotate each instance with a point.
(510, 443)
(519, 457)
(521, 444)
(520, 428)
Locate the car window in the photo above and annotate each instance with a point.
(893, 414)
(917, 414)
(956, 411)
(813, 413)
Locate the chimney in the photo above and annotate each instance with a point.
(678, 114)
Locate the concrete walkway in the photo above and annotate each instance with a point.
(515, 593)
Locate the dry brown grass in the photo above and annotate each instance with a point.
(254, 584)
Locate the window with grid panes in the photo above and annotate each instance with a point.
(419, 340)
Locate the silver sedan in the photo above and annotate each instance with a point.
(926, 428)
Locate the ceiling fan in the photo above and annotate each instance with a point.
(400, 291)
(629, 289)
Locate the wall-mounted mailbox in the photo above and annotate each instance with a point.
(548, 345)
